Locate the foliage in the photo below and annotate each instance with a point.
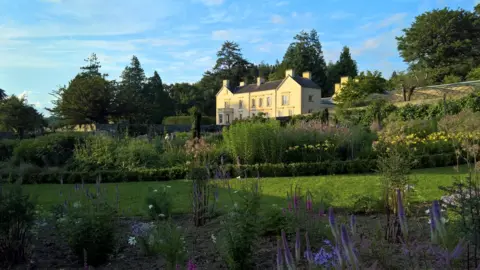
(451, 79)
(155, 100)
(474, 74)
(305, 54)
(19, 117)
(89, 228)
(159, 203)
(88, 98)
(49, 150)
(16, 221)
(409, 81)
(359, 88)
(266, 145)
(162, 238)
(3, 94)
(6, 148)
(442, 38)
(241, 230)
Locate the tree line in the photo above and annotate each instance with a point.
(440, 46)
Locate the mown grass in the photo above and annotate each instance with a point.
(340, 191)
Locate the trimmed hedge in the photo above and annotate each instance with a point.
(262, 170)
(187, 120)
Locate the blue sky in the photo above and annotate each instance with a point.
(44, 42)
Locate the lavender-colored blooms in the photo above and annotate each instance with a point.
(437, 211)
(458, 250)
(191, 265)
(297, 246)
(345, 238)
(353, 224)
(279, 255)
(323, 258)
(288, 254)
(327, 242)
(141, 229)
(331, 217)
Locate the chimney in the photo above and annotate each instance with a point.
(226, 83)
(260, 80)
(289, 72)
(307, 75)
(242, 84)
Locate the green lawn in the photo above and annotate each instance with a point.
(340, 190)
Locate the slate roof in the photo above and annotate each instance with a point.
(273, 85)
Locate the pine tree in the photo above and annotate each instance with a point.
(130, 96)
(346, 66)
(93, 66)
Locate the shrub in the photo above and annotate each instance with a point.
(6, 148)
(96, 153)
(89, 227)
(50, 150)
(452, 79)
(159, 203)
(241, 230)
(163, 238)
(16, 220)
(273, 221)
(134, 154)
(474, 74)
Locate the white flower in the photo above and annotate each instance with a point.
(188, 162)
(239, 177)
(429, 221)
(168, 186)
(77, 204)
(155, 190)
(427, 211)
(235, 191)
(132, 241)
(235, 205)
(161, 215)
(214, 239)
(274, 205)
(150, 206)
(444, 220)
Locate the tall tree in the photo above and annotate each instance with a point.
(358, 89)
(408, 82)
(19, 117)
(231, 64)
(346, 66)
(157, 102)
(444, 39)
(87, 98)
(3, 94)
(130, 96)
(333, 77)
(305, 54)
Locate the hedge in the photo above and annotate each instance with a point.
(6, 148)
(187, 120)
(261, 170)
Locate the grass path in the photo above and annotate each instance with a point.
(339, 190)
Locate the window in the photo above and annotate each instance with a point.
(220, 118)
(280, 113)
(310, 98)
(284, 100)
(290, 112)
(260, 102)
(240, 116)
(310, 111)
(240, 104)
(227, 104)
(253, 103)
(269, 101)
(228, 118)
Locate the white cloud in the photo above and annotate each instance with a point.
(277, 19)
(392, 20)
(221, 35)
(217, 17)
(284, 3)
(339, 15)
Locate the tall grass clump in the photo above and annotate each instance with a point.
(255, 142)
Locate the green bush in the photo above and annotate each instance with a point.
(158, 204)
(6, 148)
(17, 213)
(89, 227)
(50, 150)
(187, 120)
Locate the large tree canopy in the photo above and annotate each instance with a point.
(19, 117)
(346, 66)
(362, 86)
(443, 39)
(3, 95)
(305, 54)
(130, 97)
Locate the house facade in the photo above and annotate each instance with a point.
(293, 95)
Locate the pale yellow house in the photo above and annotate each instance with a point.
(293, 95)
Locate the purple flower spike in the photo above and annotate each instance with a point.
(458, 250)
(288, 254)
(345, 237)
(308, 251)
(331, 217)
(348, 247)
(353, 224)
(297, 246)
(279, 255)
(437, 214)
(191, 265)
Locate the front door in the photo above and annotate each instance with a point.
(228, 118)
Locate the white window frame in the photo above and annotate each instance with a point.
(284, 100)
(220, 118)
(269, 101)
